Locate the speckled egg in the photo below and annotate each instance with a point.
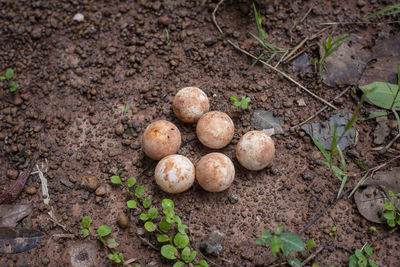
(160, 139)
(215, 172)
(255, 150)
(174, 174)
(189, 104)
(215, 129)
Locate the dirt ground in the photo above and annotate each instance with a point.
(77, 77)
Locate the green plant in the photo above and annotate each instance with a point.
(384, 95)
(168, 40)
(285, 242)
(244, 103)
(8, 76)
(372, 229)
(395, 8)
(329, 47)
(359, 259)
(391, 213)
(340, 173)
(262, 39)
(167, 225)
(310, 244)
(333, 231)
(85, 223)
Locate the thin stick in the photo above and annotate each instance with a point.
(312, 256)
(322, 109)
(358, 22)
(297, 47)
(213, 16)
(147, 242)
(309, 10)
(283, 74)
(281, 59)
(265, 63)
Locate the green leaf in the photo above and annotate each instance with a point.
(191, 257)
(359, 254)
(368, 250)
(115, 179)
(168, 252)
(275, 245)
(201, 263)
(152, 213)
(384, 10)
(181, 240)
(13, 86)
(131, 182)
(164, 225)
(9, 73)
(2, 77)
(260, 241)
(131, 204)
(376, 115)
(321, 148)
(103, 230)
(291, 242)
(111, 243)
(147, 202)
(85, 232)
(381, 94)
(149, 226)
(179, 264)
(389, 215)
(163, 238)
(144, 217)
(390, 193)
(266, 235)
(182, 228)
(389, 205)
(372, 263)
(185, 253)
(140, 191)
(353, 262)
(278, 230)
(236, 103)
(86, 222)
(294, 262)
(167, 204)
(310, 244)
(127, 107)
(111, 256)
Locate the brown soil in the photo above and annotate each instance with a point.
(76, 78)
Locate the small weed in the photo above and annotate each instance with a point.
(8, 76)
(391, 213)
(127, 106)
(395, 9)
(167, 226)
(329, 47)
(359, 259)
(333, 231)
(262, 39)
(284, 242)
(372, 229)
(340, 173)
(168, 40)
(310, 244)
(102, 232)
(244, 103)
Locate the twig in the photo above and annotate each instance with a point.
(147, 242)
(265, 63)
(213, 16)
(358, 22)
(297, 47)
(319, 215)
(283, 74)
(390, 144)
(309, 10)
(127, 262)
(312, 256)
(322, 109)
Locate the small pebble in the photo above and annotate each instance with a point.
(30, 190)
(78, 17)
(122, 220)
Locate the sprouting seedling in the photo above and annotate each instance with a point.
(168, 40)
(85, 223)
(285, 242)
(340, 172)
(329, 47)
(8, 76)
(392, 213)
(167, 225)
(262, 39)
(244, 103)
(333, 231)
(359, 259)
(127, 106)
